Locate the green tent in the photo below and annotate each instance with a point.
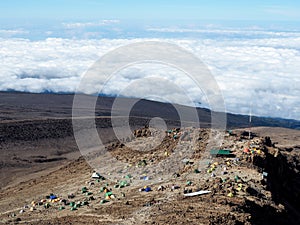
(221, 152)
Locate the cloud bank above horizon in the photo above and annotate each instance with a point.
(253, 67)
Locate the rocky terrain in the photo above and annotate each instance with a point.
(45, 179)
(257, 184)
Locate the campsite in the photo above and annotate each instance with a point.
(245, 181)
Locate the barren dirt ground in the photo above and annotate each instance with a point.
(239, 192)
(258, 184)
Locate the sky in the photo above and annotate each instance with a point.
(252, 48)
(148, 10)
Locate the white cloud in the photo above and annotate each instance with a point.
(101, 23)
(262, 71)
(11, 33)
(247, 31)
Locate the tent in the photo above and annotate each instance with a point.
(221, 152)
(196, 193)
(96, 175)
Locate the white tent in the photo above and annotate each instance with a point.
(196, 193)
(96, 175)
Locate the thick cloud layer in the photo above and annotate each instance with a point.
(261, 69)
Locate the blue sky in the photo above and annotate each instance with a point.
(274, 10)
